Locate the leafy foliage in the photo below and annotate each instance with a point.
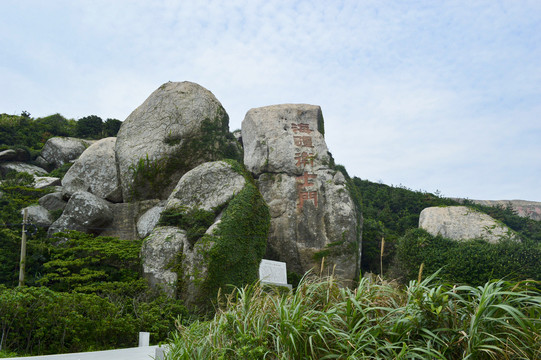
(89, 127)
(25, 132)
(240, 239)
(194, 221)
(391, 212)
(82, 262)
(321, 320)
(472, 262)
(111, 127)
(41, 321)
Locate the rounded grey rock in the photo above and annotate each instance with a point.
(96, 170)
(463, 223)
(180, 125)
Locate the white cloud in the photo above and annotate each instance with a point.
(432, 95)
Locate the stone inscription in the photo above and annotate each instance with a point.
(306, 187)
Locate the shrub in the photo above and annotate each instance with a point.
(41, 321)
(472, 262)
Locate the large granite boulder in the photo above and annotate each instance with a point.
(463, 223)
(159, 251)
(206, 187)
(221, 223)
(180, 125)
(60, 150)
(41, 182)
(312, 212)
(96, 170)
(84, 212)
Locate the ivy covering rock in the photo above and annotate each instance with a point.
(217, 222)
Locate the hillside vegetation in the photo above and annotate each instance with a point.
(86, 293)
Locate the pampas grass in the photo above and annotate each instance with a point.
(322, 320)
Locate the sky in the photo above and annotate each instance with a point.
(438, 96)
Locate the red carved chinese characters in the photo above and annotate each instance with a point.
(304, 158)
(307, 195)
(306, 186)
(302, 128)
(303, 141)
(305, 180)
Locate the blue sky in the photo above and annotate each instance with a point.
(431, 95)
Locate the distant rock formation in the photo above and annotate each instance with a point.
(312, 213)
(463, 223)
(529, 209)
(17, 166)
(60, 150)
(180, 125)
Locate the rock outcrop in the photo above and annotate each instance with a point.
(84, 212)
(463, 223)
(96, 171)
(125, 218)
(60, 150)
(181, 125)
(160, 250)
(217, 222)
(18, 154)
(148, 221)
(8, 155)
(312, 213)
(207, 187)
(16, 166)
(41, 182)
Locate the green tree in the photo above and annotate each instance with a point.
(89, 127)
(111, 127)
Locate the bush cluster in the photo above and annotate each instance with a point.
(37, 320)
(472, 262)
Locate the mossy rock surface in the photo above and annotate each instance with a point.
(226, 223)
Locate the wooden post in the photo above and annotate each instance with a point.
(23, 249)
(381, 257)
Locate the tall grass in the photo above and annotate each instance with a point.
(321, 320)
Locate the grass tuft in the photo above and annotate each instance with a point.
(322, 320)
